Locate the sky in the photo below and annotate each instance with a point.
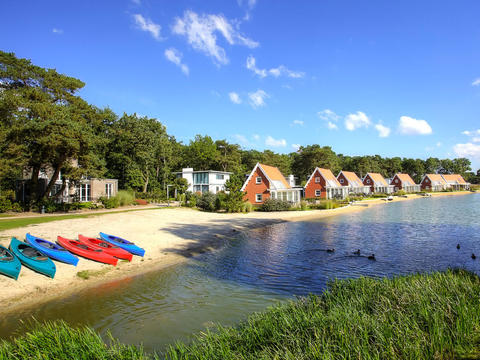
(364, 77)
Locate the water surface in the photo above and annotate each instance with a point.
(272, 264)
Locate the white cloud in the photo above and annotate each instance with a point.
(332, 126)
(200, 31)
(383, 131)
(328, 115)
(275, 72)
(241, 139)
(296, 146)
(270, 141)
(471, 132)
(235, 98)
(256, 137)
(356, 121)
(298, 122)
(411, 126)
(175, 57)
(257, 98)
(148, 25)
(476, 139)
(439, 144)
(57, 31)
(476, 82)
(467, 150)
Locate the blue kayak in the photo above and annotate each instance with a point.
(54, 251)
(32, 258)
(9, 263)
(122, 243)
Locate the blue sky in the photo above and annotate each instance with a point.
(365, 77)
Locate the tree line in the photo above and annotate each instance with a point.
(45, 124)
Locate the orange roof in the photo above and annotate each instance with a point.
(454, 179)
(274, 174)
(436, 179)
(330, 179)
(378, 179)
(405, 179)
(352, 178)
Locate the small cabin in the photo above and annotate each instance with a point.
(322, 184)
(377, 184)
(404, 182)
(354, 184)
(266, 182)
(456, 181)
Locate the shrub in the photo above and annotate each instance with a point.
(275, 205)
(327, 205)
(5, 205)
(220, 201)
(303, 205)
(207, 201)
(191, 199)
(400, 193)
(247, 207)
(125, 197)
(141, 202)
(109, 203)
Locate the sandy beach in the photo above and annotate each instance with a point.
(170, 236)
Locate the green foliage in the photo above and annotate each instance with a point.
(220, 201)
(247, 207)
(125, 197)
(57, 340)
(303, 205)
(234, 198)
(181, 185)
(207, 201)
(431, 316)
(191, 199)
(109, 203)
(400, 193)
(275, 205)
(327, 204)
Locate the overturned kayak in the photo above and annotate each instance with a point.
(32, 258)
(51, 250)
(86, 251)
(124, 244)
(106, 247)
(9, 263)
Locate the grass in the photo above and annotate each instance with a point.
(56, 340)
(429, 316)
(435, 316)
(87, 274)
(22, 222)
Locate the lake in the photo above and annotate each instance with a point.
(272, 264)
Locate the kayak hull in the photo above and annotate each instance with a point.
(9, 264)
(106, 247)
(124, 244)
(52, 250)
(86, 251)
(32, 258)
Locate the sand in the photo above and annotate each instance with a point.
(169, 236)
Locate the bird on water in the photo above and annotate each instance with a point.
(473, 256)
(357, 252)
(371, 257)
(458, 246)
(331, 250)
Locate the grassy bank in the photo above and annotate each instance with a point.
(433, 316)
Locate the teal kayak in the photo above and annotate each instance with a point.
(32, 258)
(9, 263)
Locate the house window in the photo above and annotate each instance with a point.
(258, 180)
(427, 187)
(84, 192)
(426, 180)
(341, 181)
(220, 176)
(318, 192)
(108, 190)
(368, 181)
(396, 181)
(200, 178)
(317, 180)
(217, 189)
(258, 197)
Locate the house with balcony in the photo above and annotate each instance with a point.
(202, 181)
(266, 182)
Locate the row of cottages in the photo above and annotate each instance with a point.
(439, 182)
(266, 182)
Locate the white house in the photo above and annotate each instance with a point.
(205, 180)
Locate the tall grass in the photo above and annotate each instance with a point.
(125, 197)
(434, 316)
(56, 340)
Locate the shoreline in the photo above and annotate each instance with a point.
(170, 237)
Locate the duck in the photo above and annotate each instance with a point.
(357, 252)
(473, 256)
(458, 246)
(330, 250)
(371, 257)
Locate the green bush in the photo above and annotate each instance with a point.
(327, 205)
(220, 201)
(207, 201)
(5, 205)
(109, 203)
(303, 205)
(400, 193)
(125, 197)
(247, 207)
(191, 199)
(275, 205)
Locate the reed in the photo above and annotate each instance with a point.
(430, 316)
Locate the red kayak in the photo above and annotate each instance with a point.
(87, 251)
(108, 248)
